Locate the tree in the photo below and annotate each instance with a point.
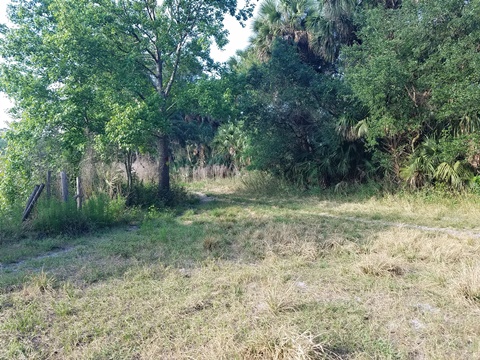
(213, 99)
(139, 48)
(3, 142)
(290, 114)
(282, 19)
(295, 94)
(56, 100)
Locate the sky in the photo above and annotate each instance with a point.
(238, 41)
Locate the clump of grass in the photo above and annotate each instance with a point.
(284, 240)
(285, 343)
(280, 299)
(336, 244)
(381, 265)
(39, 283)
(469, 283)
(211, 243)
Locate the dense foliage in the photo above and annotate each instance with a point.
(329, 92)
(417, 71)
(291, 114)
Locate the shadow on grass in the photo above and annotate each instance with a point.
(233, 227)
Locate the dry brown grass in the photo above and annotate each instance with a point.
(277, 239)
(468, 283)
(380, 265)
(461, 211)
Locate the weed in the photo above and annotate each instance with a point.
(286, 343)
(280, 298)
(39, 283)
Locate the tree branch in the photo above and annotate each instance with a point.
(150, 12)
(175, 68)
(135, 35)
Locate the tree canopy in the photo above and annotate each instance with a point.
(108, 68)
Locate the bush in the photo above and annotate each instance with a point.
(142, 195)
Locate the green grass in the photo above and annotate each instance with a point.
(307, 275)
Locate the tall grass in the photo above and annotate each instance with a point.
(145, 196)
(11, 224)
(263, 183)
(201, 173)
(57, 217)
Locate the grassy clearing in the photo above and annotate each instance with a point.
(251, 277)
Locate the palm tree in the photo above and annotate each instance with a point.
(333, 26)
(317, 28)
(286, 20)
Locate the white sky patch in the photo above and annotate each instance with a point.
(238, 39)
(5, 105)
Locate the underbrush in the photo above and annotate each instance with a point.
(264, 184)
(11, 224)
(57, 217)
(146, 196)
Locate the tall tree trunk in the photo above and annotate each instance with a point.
(128, 170)
(129, 173)
(163, 166)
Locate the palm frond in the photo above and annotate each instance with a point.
(456, 176)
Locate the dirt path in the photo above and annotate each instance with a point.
(452, 231)
(456, 232)
(51, 254)
(204, 198)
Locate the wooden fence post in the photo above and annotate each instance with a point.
(32, 200)
(79, 194)
(64, 181)
(32, 195)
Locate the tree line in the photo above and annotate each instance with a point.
(328, 92)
